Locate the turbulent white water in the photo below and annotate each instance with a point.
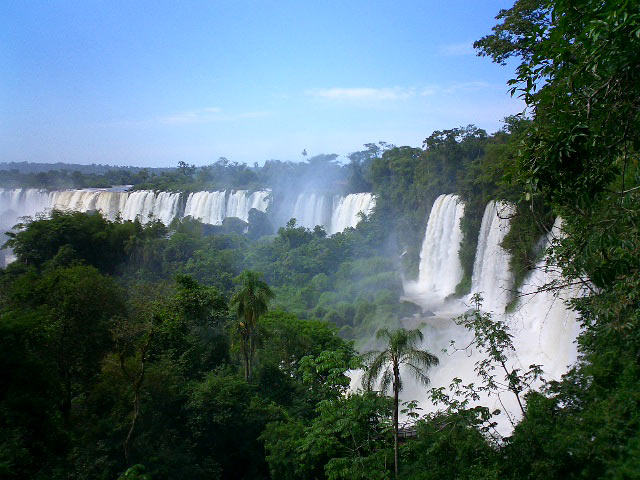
(333, 213)
(345, 213)
(491, 275)
(21, 202)
(208, 207)
(15, 204)
(240, 202)
(543, 327)
(145, 205)
(440, 269)
(214, 207)
(312, 209)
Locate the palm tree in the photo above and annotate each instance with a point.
(250, 302)
(400, 349)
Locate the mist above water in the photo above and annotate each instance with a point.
(209, 207)
(492, 277)
(334, 213)
(543, 328)
(440, 269)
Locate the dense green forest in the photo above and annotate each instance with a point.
(142, 351)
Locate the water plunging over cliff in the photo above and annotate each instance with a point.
(311, 209)
(491, 275)
(214, 207)
(346, 210)
(440, 269)
(333, 213)
(543, 327)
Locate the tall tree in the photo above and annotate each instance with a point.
(400, 349)
(250, 302)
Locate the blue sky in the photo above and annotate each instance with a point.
(152, 83)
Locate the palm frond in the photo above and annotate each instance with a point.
(418, 373)
(401, 350)
(374, 363)
(422, 358)
(414, 336)
(386, 381)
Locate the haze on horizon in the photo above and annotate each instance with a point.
(153, 83)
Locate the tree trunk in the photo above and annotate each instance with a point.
(396, 375)
(251, 347)
(137, 387)
(245, 354)
(515, 392)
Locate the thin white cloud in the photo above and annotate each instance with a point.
(456, 49)
(428, 91)
(363, 93)
(205, 115)
(370, 94)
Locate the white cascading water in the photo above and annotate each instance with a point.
(491, 275)
(21, 202)
(208, 207)
(544, 329)
(334, 214)
(15, 204)
(145, 205)
(311, 209)
(108, 203)
(240, 202)
(440, 270)
(346, 210)
(214, 207)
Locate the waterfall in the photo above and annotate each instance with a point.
(311, 209)
(334, 214)
(491, 275)
(144, 205)
(240, 202)
(544, 327)
(15, 204)
(237, 205)
(440, 269)
(346, 209)
(163, 206)
(259, 200)
(21, 202)
(208, 207)
(214, 207)
(107, 202)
